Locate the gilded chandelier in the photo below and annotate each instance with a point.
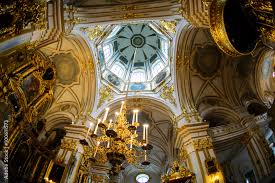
(117, 141)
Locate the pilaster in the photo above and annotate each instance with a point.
(258, 149)
(196, 148)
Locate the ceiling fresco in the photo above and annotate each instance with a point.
(67, 68)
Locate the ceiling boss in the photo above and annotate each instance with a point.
(117, 141)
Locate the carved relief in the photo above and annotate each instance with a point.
(180, 62)
(203, 143)
(69, 144)
(167, 94)
(93, 32)
(170, 26)
(183, 154)
(105, 94)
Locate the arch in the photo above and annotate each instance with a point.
(184, 49)
(133, 102)
(78, 46)
(264, 80)
(58, 120)
(256, 108)
(217, 116)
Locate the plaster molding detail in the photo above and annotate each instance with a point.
(105, 94)
(170, 26)
(196, 12)
(108, 13)
(167, 93)
(226, 132)
(183, 154)
(202, 143)
(93, 32)
(182, 61)
(190, 131)
(69, 144)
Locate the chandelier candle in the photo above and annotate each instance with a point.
(122, 103)
(145, 133)
(96, 148)
(136, 115)
(110, 123)
(133, 119)
(131, 145)
(88, 130)
(106, 114)
(96, 127)
(108, 144)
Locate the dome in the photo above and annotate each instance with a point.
(135, 57)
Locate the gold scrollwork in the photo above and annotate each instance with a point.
(93, 33)
(262, 5)
(69, 144)
(181, 61)
(130, 15)
(185, 114)
(105, 94)
(16, 20)
(167, 94)
(170, 26)
(202, 143)
(127, 7)
(29, 87)
(183, 154)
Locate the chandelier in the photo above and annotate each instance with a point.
(116, 141)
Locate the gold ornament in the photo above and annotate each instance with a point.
(93, 33)
(167, 94)
(170, 26)
(203, 143)
(106, 94)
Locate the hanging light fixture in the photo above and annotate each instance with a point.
(117, 140)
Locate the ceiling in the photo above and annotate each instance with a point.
(135, 57)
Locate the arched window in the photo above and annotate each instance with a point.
(118, 70)
(165, 48)
(138, 76)
(107, 50)
(142, 178)
(157, 67)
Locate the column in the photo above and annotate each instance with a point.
(74, 167)
(197, 149)
(259, 151)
